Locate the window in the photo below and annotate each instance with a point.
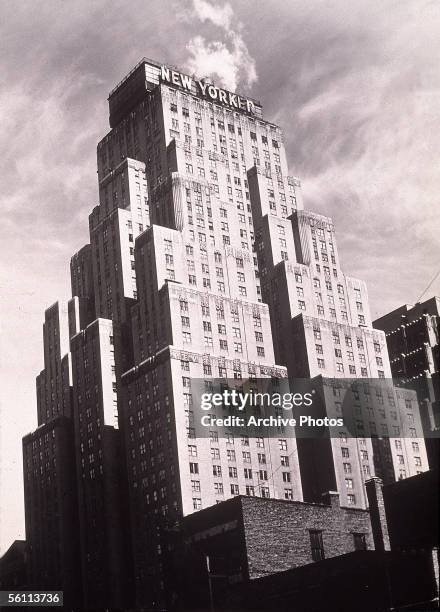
(195, 485)
(316, 545)
(194, 468)
(282, 444)
(351, 499)
(235, 489)
(216, 470)
(345, 452)
(359, 541)
(349, 483)
(321, 363)
(197, 503)
(186, 382)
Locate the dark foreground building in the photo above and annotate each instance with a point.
(252, 554)
(232, 544)
(13, 566)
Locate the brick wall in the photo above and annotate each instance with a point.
(277, 532)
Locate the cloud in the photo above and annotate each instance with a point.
(218, 15)
(356, 95)
(356, 92)
(228, 61)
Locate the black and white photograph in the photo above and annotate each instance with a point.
(220, 305)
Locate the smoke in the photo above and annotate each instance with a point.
(227, 60)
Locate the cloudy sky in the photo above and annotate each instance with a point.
(354, 84)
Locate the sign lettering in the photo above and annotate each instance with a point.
(207, 90)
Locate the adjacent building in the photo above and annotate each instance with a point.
(13, 566)
(412, 335)
(227, 547)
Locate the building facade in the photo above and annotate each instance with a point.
(202, 266)
(199, 312)
(413, 340)
(50, 483)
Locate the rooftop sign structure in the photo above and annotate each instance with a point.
(206, 90)
(147, 74)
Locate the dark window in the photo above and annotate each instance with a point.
(359, 541)
(316, 545)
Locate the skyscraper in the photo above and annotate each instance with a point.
(203, 265)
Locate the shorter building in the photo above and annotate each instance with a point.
(408, 512)
(413, 340)
(243, 539)
(265, 554)
(364, 581)
(13, 567)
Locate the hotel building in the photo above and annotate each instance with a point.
(202, 265)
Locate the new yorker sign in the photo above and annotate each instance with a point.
(207, 90)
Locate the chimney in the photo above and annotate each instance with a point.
(331, 498)
(377, 514)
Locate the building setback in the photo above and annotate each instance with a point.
(104, 528)
(50, 483)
